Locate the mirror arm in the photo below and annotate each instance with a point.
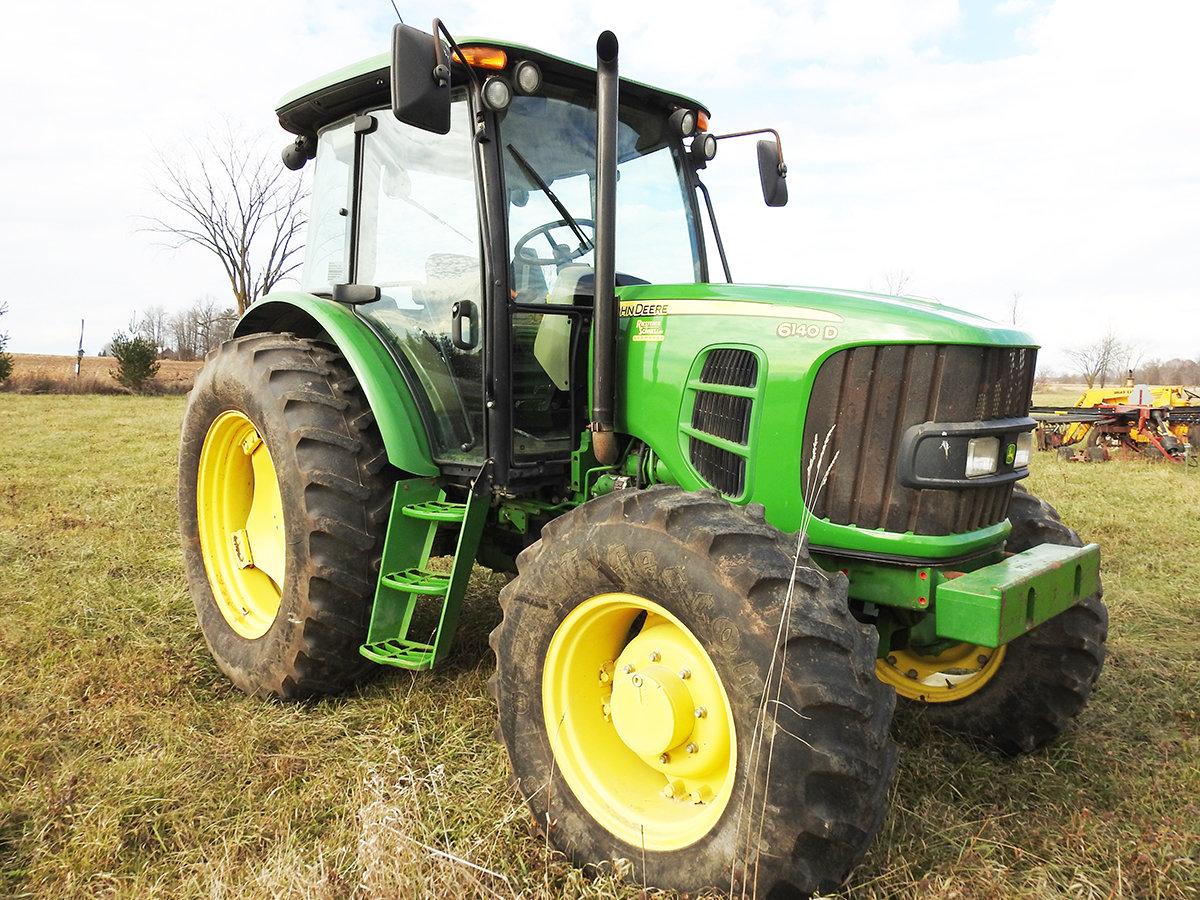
(441, 69)
(770, 131)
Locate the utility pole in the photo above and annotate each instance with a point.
(79, 355)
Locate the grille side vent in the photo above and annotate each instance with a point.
(723, 470)
(729, 365)
(721, 417)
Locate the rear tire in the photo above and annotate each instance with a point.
(334, 492)
(720, 573)
(1047, 675)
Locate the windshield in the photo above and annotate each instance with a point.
(549, 147)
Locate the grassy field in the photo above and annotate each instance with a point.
(35, 373)
(129, 767)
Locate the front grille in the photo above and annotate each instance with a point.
(870, 396)
(725, 416)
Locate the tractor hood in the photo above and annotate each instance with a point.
(819, 315)
(729, 386)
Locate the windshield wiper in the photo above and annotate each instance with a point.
(545, 189)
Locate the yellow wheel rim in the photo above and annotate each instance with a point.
(239, 514)
(641, 728)
(953, 674)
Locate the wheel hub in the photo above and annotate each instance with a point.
(641, 728)
(651, 708)
(239, 517)
(953, 674)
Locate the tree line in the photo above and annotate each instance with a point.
(186, 335)
(1110, 359)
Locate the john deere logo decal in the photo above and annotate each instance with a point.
(1010, 453)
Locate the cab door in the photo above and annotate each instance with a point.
(417, 239)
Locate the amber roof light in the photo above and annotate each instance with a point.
(484, 57)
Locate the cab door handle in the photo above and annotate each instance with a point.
(464, 309)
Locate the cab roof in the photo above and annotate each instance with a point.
(364, 84)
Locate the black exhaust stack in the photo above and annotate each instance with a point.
(604, 327)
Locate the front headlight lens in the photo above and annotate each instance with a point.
(1024, 450)
(983, 456)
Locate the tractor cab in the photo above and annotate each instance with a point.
(471, 252)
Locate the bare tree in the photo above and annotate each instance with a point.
(897, 281)
(1016, 301)
(201, 328)
(1097, 360)
(154, 325)
(240, 204)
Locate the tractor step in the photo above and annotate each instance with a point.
(417, 581)
(419, 510)
(402, 654)
(436, 511)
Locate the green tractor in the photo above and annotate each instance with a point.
(743, 518)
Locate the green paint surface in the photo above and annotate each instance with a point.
(993, 605)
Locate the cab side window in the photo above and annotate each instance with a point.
(327, 253)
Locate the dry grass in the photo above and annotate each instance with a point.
(129, 767)
(47, 374)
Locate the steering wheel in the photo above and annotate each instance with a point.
(562, 254)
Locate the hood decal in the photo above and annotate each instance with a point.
(637, 308)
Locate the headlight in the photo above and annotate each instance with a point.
(496, 93)
(1024, 450)
(983, 456)
(683, 121)
(528, 77)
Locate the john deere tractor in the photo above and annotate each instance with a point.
(743, 518)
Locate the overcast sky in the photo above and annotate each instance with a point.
(1046, 147)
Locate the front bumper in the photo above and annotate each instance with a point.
(995, 604)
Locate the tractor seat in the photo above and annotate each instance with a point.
(552, 346)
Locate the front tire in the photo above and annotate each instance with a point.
(1023, 695)
(284, 492)
(682, 595)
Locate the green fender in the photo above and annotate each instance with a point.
(387, 393)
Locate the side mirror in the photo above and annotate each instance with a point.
(420, 81)
(772, 173)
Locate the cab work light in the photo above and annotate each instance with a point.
(528, 77)
(983, 456)
(497, 93)
(484, 57)
(683, 121)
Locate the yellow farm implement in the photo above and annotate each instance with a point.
(1158, 420)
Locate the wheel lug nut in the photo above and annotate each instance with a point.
(685, 674)
(627, 668)
(701, 712)
(911, 673)
(982, 659)
(692, 748)
(664, 758)
(637, 680)
(891, 660)
(655, 656)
